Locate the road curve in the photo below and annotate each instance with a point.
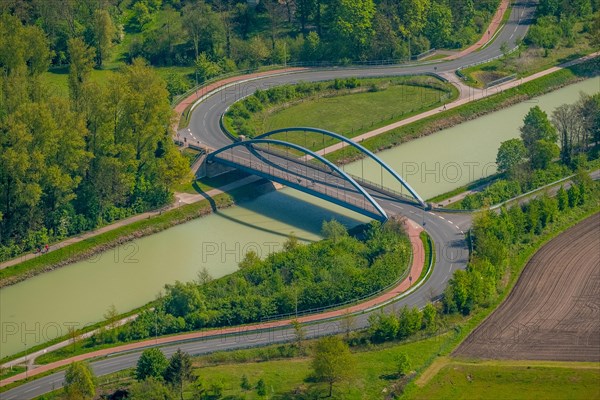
(447, 231)
(204, 123)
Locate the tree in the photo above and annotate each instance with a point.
(333, 230)
(574, 196)
(245, 384)
(568, 123)
(332, 361)
(79, 382)
(439, 25)
(152, 363)
(403, 364)
(536, 126)
(563, 198)
(299, 334)
(542, 152)
(206, 68)
(179, 370)
(81, 63)
(305, 10)
(261, 387)
(274, 15)
(104, 31)
(352, 23)
(182, 299)
(429, 317)
(510, 154)
(149, 388)
(383, 327)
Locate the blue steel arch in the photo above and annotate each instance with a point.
(344, 175)
(356, 145)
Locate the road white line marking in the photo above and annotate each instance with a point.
(440, 217)
(450, 270)
(213, 106)
(397, 206)
(429, 212)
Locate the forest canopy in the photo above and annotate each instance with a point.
(70, 164)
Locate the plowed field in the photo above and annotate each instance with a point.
(553, 312)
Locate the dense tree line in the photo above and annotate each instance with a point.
(236, 33)
(529, 162)
(301, 277)
(556, 21)
(497, 235)
(68, 165)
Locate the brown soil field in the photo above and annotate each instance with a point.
(553, 312)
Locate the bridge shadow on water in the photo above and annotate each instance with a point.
(291, 210)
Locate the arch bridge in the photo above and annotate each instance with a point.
(297, 166)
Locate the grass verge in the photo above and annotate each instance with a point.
(509, 380)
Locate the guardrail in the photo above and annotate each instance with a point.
(300, 64)
(500, 81)
(464, 77)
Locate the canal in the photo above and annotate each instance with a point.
(41, 308)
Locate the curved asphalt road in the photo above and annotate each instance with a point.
(445, 230)
(204, 123)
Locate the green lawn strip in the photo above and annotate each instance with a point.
(350, 114)
(469, 111)
(473, 381)
(375, 366)
(8, 372)
(375, 103)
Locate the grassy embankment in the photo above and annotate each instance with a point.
(528, 60)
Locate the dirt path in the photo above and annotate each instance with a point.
(553, 312)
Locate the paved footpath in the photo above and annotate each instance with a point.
(413, 230)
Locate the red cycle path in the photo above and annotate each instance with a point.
(413, 230)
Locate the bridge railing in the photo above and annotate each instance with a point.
(342, 192)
